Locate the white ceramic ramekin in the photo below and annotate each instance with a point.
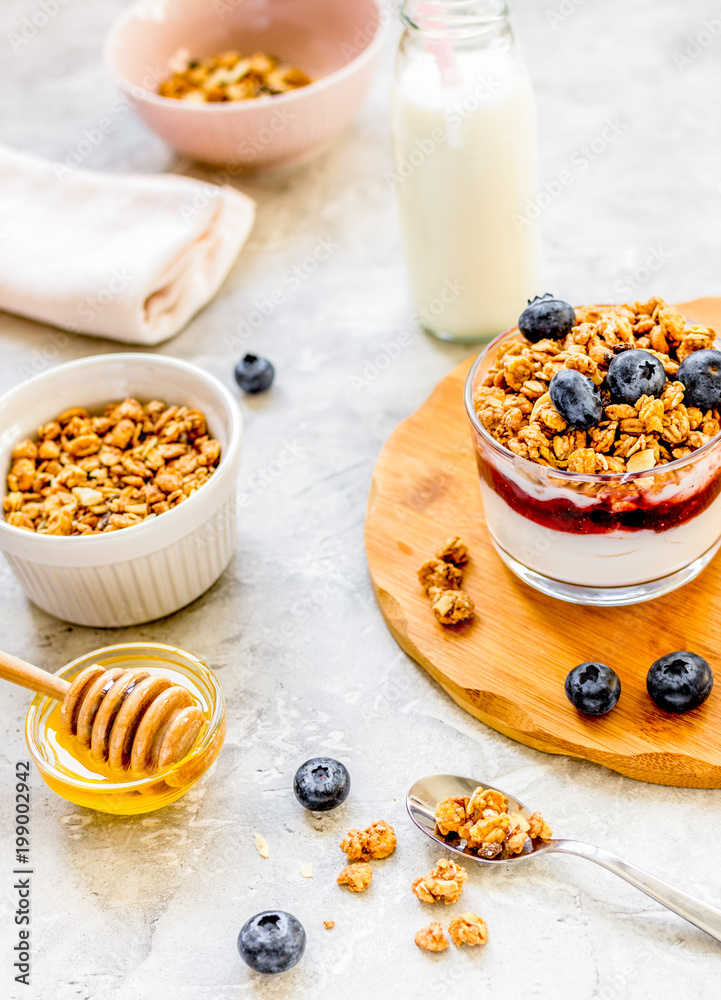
(156, 567)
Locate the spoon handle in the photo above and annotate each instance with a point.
(708, 918)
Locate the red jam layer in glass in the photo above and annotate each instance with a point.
(562, 514)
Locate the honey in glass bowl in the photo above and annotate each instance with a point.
(70, 770)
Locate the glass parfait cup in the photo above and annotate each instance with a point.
(608, 539)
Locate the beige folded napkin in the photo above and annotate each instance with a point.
(124, 256)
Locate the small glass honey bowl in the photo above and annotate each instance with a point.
(73, 773)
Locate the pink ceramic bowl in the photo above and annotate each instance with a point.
(337, 42)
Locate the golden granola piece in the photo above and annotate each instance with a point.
(469, 929)
(445, 882)
(676, 426)
(485, 802)
(518, 834)
(451, 607)
(376, 841)
(518, 371)
(431, 938)
(441, 574)
(539, 828)
(650, 413)
(451, 815)
(582, 460)
(454, 550)
(357, 877)
(492, 830)
(329, 924)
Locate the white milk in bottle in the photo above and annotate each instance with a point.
(464, 139)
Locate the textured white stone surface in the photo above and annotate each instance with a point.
(129, 909)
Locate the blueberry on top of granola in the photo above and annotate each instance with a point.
(515, 406)
(701, 375)
(576, 398)
(546, 316)
(633, 374)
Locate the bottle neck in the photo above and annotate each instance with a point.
(453, 20)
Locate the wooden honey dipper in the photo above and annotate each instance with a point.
(128, 719)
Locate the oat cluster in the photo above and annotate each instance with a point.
(514, 404)
(86, 475)
(441, 579)
(445, 882)
(357, 876)
(376, 841)
(468, 928)
(232, 77)
(483, 821)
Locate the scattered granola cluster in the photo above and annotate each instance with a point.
(232, 77)
(483, 821)
(357, 877)
(441, 579)
(468, 928)
(445, 882)
(514, 403)
(91, 474)
(375, 842)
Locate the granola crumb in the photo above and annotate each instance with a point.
(261, 845)
(451, 607)
(431, 938)
(451, 814)
(357, 877)
(445, 882)
(329, 924)
(437, 573)
(375, 842)
(454, 550)
(469, 929)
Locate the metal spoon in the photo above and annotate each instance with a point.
(425, 795)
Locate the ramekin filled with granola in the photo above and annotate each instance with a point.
(596, 433)
(119, 473)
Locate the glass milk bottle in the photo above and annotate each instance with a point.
(463, 123)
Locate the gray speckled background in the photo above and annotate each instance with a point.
(150, 907)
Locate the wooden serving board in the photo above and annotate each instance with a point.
(507, 667)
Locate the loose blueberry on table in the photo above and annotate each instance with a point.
(272, 942)
(547, 317)
(576, 398)
(593, 688)
(322, 783)
(700, 373)
(680, 682)
(254, 374)
(635, 373)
